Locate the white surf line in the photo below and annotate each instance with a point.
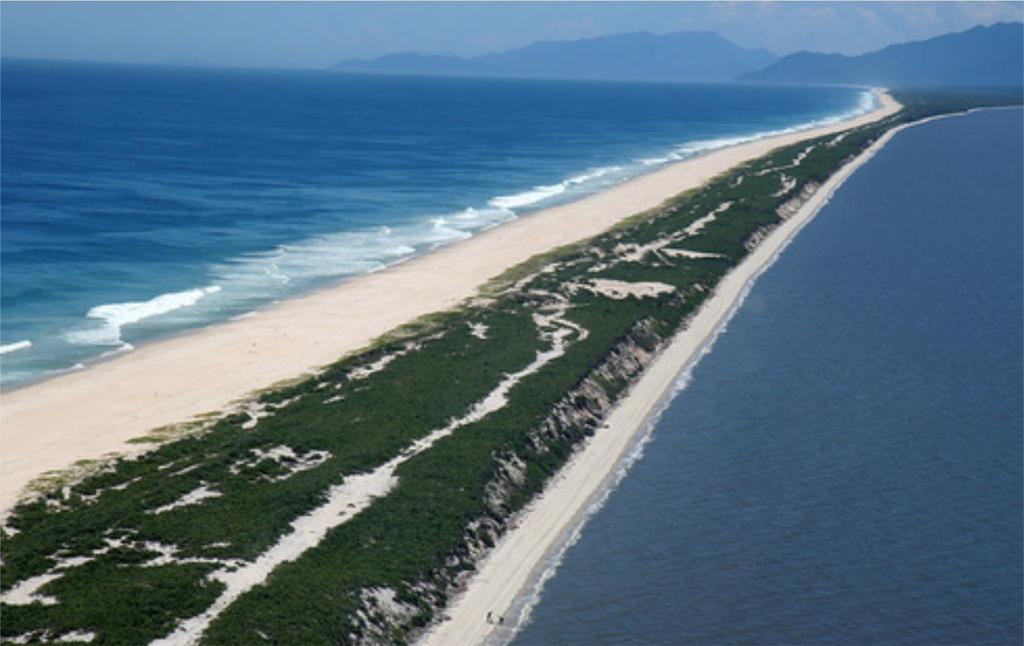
(521, 559)
(14, 347)
(355, 494)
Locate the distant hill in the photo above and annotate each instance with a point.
(697, 56)
(981, 56)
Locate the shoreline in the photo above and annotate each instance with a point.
(527, 212)
(510, 580)
(524, 212)
(94, 412)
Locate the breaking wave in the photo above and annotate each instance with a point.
(866, 103)
(248, 281)
(14, 347)
(252, 279)
(543, 193)
(114, 317)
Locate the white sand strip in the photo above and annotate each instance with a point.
(343, 502)
(352, 496)
(90, 413)
(193, 497)
(700, 223)
(521, 554)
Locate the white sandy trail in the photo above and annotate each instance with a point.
(343, 502)
(92, 412)
(352, 496)
(520, 555)
(700, 223)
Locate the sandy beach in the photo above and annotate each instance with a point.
(94, 412)
(521, 556)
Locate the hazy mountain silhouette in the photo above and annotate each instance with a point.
(699, 56)
(981, 56)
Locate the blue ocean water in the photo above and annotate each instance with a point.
(845, 466)
(138, 201)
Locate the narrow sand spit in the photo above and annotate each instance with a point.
(89, 413)
(517, 562)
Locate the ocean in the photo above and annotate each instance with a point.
(142, 201)
(845, 466)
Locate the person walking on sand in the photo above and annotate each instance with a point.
(490, 618)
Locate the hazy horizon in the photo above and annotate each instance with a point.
(317, 35)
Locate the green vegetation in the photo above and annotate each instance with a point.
(264, 467)
(921, 103)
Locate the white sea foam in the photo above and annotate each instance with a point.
(14, 347)
(121, 349)
(348, 253)
(594, 174)
(114, 316)
(526, 198)
(291, 267)
(866, 103)
(542, 193)
(256, 278)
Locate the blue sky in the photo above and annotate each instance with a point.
(316, 34)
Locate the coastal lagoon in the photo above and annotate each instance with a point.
(846, 464)
(141, 201)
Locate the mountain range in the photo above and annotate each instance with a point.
(695, 56)
(981, 56)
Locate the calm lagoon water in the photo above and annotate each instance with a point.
(138, 201)
(846, 465)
